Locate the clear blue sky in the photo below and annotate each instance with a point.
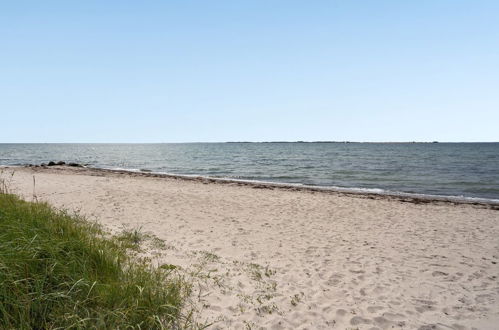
(180, 71)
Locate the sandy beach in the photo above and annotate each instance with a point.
(278, 258)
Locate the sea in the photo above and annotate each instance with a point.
(457, 170)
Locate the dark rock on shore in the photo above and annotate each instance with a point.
(51, 163)
(74, 165)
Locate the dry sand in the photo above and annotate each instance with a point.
(283, 258)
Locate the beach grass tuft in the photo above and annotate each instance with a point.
(131, 238)
(60, 271)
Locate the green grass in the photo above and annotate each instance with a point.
(131, 238)
(60, 271)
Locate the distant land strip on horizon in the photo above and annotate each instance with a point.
(214, 142)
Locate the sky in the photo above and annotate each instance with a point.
(187, 71)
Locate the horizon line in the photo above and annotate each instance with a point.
(276, 141)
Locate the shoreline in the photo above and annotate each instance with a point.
(341, 191)
(267, 256)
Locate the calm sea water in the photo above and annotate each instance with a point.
(449, 169)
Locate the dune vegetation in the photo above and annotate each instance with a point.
(59, 270)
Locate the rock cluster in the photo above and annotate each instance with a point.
(59, 163)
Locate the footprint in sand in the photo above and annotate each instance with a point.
(424, 308)
(341, 312)
(356, 320)
(383, 322)
(439, 273)
(374, 309)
